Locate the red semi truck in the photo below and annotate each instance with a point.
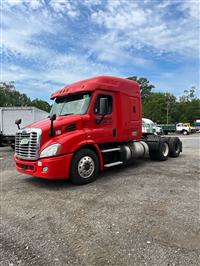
(93, 124)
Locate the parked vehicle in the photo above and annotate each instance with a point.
(94, 124)
(197, 125)
(149, 127)
(192, 129)
(183, 128)
(8, 115)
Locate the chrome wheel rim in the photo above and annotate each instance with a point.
(165, 149)
(86, 167)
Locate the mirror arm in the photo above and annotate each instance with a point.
(18, 122)
(99, 120)
(51, 133)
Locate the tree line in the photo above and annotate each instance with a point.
(157, 106)
(165, 108)
(9, 97)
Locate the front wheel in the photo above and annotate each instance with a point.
(84, 167)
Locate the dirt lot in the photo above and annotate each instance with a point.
(144, 214)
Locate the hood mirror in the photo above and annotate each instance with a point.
(18, 122)
(52, 118)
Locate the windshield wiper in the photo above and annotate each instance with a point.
(67, 114)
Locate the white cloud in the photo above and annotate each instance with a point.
(35, 4)
(118, 30)
(192, 7)
(90, 3)
(149, 26)
(110, 48)
(64, 7)
(22, 31)
(32, 4)
(59, 7)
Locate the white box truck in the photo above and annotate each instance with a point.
(8, 115)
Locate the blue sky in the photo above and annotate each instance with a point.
(49, 43)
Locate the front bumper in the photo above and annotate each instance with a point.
(47, 168)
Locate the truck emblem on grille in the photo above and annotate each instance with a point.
(24, 141)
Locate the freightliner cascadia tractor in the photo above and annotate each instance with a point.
(93, 124)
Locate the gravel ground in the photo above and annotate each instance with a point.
(144, 214)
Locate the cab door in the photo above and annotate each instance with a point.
(104, 127)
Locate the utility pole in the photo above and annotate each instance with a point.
(167, 112)
(168, 104)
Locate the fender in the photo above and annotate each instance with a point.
(77, 141)
(86, 143)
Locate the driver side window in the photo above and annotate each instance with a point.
(97, 104)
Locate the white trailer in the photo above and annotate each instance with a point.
(8, 115)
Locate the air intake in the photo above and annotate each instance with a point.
(70, 128)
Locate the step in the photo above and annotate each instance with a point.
(110, 150)
(112, 164)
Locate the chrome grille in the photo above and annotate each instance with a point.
(27, 143)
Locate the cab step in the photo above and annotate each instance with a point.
(112, 164)
(110, 150)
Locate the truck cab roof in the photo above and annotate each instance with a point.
(107, 83)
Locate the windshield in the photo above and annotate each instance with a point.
(73, 104)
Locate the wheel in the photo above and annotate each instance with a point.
(162, 153)
(175, 147)
(84, 167)
(185, 132)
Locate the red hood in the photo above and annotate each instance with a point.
(60, 123)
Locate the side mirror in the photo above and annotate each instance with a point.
(103, 108)
(53, 117)
(18, 122)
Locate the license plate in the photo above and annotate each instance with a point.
(24, 141)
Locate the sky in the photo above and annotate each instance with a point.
(46, 44)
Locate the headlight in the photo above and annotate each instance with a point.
(50, 150)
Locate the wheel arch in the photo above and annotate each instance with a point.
(94, 147)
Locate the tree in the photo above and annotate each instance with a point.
(158, 105)
(41, 105)
(145, 86)
(9, 96)
(188, 106)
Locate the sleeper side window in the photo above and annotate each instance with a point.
(97, 104)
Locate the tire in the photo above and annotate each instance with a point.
(175, 147)
(185, 132)
(84, 167)
(162, 153)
